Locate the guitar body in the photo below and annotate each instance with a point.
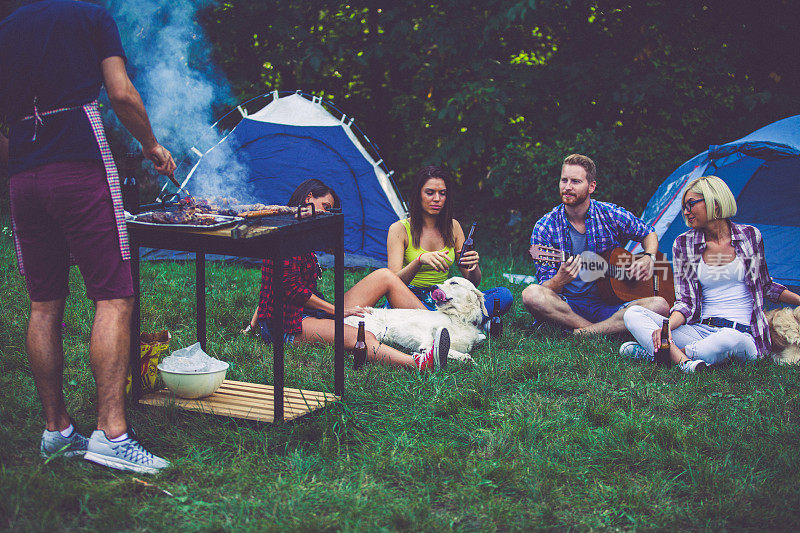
(617, 288)
(614, 285)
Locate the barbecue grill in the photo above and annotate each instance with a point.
(276, 237)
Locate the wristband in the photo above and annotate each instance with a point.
(652, 256)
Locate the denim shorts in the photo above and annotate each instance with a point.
(592, 308)
(495, 295)
(288, 338)
(266, 336)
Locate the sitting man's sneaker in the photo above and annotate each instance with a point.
(633, 350)
(435, 357)
(696, 365)
(54, 443)
(126, 454)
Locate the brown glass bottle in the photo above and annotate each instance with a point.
(469, 244)
(662, 350)
(360, 348)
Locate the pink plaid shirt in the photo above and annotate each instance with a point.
(749, 246)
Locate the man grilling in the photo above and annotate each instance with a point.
(65, 201)
(582, 225)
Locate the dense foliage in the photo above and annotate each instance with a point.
(502, 90)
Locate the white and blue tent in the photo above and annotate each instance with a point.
(292, 138)
(763, 172)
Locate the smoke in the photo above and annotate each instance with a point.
(169, 61)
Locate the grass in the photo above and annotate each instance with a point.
(546, 432)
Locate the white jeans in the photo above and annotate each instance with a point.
(698, 341)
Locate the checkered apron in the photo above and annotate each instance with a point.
(95, 121)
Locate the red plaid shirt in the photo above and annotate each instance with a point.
(300, 275)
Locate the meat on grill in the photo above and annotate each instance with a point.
(181, 216)
(197, 212)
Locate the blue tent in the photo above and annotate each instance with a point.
(763, 172)
(269, 152)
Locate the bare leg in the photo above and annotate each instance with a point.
(380, 283)
(676, 354)
(616, 324)
(254, 320)
(545, 304)
(46, 357)
(321, 331)
(109, 351)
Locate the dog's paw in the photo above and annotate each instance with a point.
(460, 357)
(789, 356)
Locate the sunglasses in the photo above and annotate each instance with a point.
(689, 204)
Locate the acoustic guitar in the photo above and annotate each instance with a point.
(610, 270)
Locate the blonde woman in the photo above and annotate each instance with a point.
(721, 280)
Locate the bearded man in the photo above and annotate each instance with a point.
(566, 296)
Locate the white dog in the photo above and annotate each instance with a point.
(784, 328)
(460, 309)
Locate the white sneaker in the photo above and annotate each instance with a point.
(127, 454)
(635, 351)
(689, 366)
(436, 356)
(53, 443)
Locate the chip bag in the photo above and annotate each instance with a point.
(152, 346)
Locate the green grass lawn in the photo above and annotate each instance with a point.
(544, 432)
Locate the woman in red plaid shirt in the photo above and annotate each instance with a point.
(308, 317)
(721, 280)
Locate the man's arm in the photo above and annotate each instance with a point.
(128, 106)
(650, 243)
(642, 268)
(633, 228)
(566, 273)
(3, 150)
(549, 276)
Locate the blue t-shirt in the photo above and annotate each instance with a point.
(578, 287)
(51, 50)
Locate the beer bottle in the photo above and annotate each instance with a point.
(662, 350)
(469, 244)
(130, 189)
(360, 348)
(495, 322)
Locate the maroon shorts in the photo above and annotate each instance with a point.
(64, 208)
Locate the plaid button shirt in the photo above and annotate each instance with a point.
(300, 275)
(749, 246)
(607, 226)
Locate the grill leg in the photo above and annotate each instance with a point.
(277, 332)
(338, 313)
(200, 289)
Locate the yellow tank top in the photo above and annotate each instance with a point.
(426, 276)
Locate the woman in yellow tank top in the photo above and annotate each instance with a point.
(422, 247)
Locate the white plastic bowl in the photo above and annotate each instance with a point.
(193, 385)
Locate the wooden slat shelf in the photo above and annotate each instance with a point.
(251, 401)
